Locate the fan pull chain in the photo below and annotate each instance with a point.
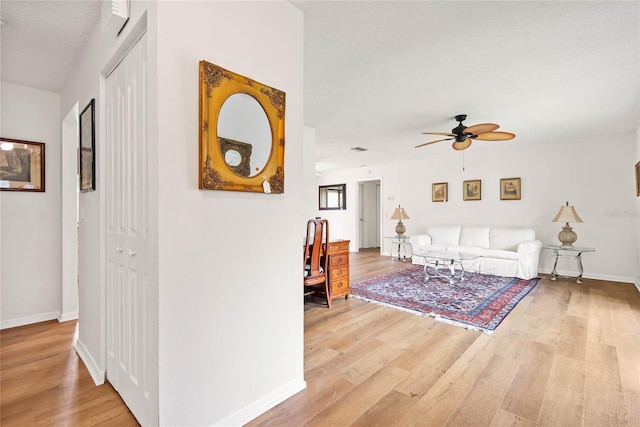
(463, 160)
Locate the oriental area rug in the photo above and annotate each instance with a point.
(479, 302)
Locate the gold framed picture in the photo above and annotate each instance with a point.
(241, 133)
(472, 190)
(21, 165)
(439, 191)
(510, 189)
(638, 179)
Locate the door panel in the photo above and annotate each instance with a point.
(127, 233)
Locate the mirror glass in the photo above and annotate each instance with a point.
(332, 196)
(232, 157)
(243, 120)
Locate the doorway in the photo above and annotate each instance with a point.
(370, 207)
(70, 203)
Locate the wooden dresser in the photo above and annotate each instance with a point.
(339, 269)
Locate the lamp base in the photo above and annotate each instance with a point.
(400, 229)
(567, 236)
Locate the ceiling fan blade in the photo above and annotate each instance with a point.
(481, 128)
(496, 136)
(439, 133)
(433, 142)
(459, 146)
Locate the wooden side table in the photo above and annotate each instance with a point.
(338, 269)
(572, 252)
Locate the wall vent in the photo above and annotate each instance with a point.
(115, 13)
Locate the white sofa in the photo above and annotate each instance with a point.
(501, 251)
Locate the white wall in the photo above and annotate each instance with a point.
(310, 192)
(637, 213)
(231, 312)
(597, 184)
(230, 328)
(30, 222)
(87, 81)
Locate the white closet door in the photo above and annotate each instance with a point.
(127, 233)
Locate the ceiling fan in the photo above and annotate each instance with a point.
(462, 136)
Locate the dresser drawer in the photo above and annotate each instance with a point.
(338, 247)
(339, 273)
(341, 260)
(339, 286)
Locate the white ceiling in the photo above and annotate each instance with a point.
(378, 73)
(41, 40)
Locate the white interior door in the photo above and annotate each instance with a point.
(370, 214)
(128, 322)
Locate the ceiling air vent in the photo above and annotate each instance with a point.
(115, 14)
(359, 149)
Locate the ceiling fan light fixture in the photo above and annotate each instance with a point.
(459, 146)
(463, 136)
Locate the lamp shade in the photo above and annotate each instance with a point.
(399, 213)
(567, 214)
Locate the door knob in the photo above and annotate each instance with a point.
(132, 253)
(119, 249)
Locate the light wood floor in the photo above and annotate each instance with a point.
(567, 355)
(44, 383)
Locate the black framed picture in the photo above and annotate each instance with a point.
(87, 148)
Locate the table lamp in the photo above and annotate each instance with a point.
(398, 214)
(567, 214)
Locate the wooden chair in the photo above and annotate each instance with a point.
(315, 260)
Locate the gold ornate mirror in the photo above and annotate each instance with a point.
(241, 133)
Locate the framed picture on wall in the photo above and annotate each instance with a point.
(638, 179)
(21, 165)
(472, 190)
(87, 148)
(439, 192)
(510, 189)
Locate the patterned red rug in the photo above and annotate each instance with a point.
(480, 301)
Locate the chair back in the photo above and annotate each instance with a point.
(315, 261)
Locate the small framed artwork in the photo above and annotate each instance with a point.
(21, 165)
(439, 192)
(87, 159)
(472, 190)
(510, 189)
(638, 179)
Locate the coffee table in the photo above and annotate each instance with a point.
(440, 260)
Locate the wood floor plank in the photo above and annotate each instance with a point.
(43, 381)
(605, 403)
(563, 402)
(483, 400)
(525, 395)
(355, 403)
(505, 418)
(573, 338)
(386, 411)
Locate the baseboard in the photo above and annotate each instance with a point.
(65, 317)
(28, 320)
(610, 278)
(260, 406)
(97, 374)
